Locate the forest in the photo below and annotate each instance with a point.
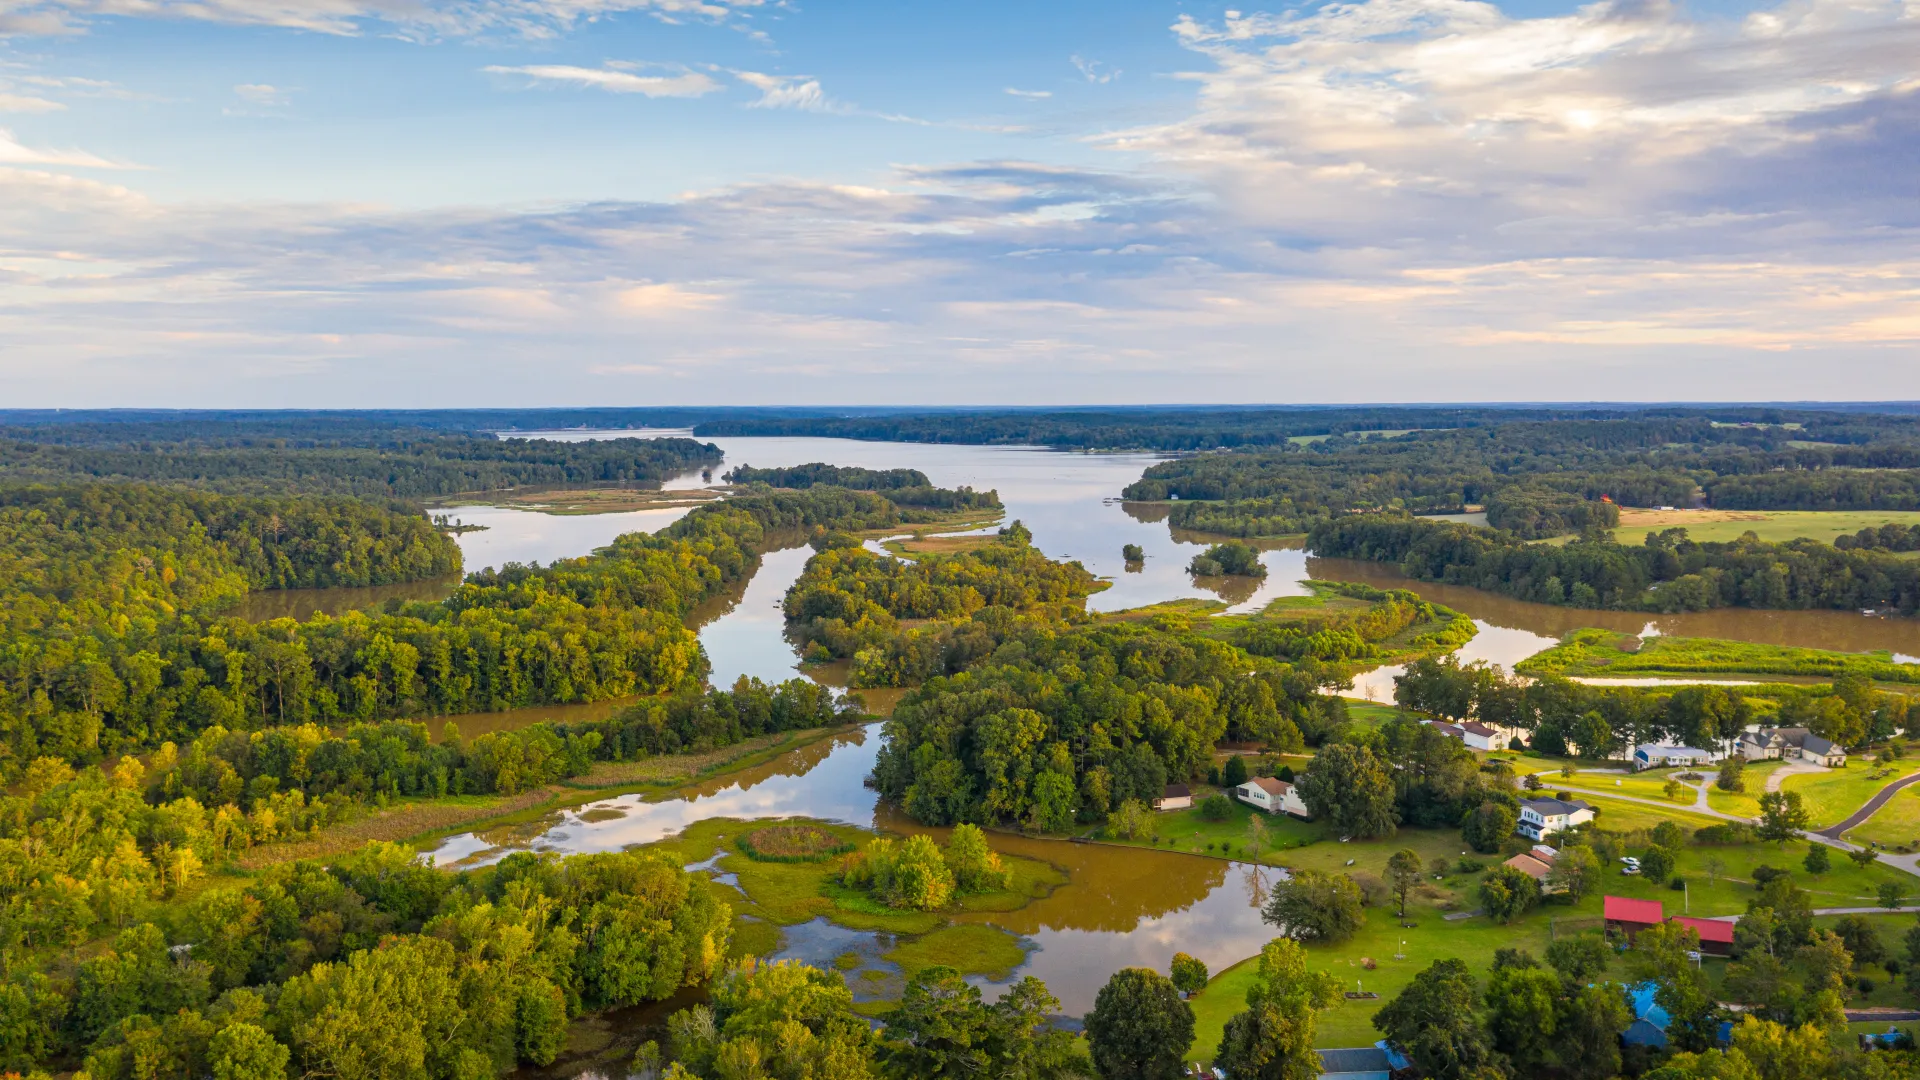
(1667, 573)
(1537, 478)
(114, 639)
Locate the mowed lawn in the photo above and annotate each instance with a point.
(1898, 822)
(1775, 525)
(1744, 803)
(1832, 794)
(1719, 882)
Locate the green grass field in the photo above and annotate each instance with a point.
(1186, 830)
(1832, 794)
(1606, 653)
(1744, 803)
(1898, 822)
(1773, 525)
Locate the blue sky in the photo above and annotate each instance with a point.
(436, 202)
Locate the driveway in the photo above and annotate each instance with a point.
(1873, 805)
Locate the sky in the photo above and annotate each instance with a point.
(418, 203)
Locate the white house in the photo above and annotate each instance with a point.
(1650, 756)
(1475, 734)
(1769, 743)
(1273, 796)
(1541, 818)
(1175, 797)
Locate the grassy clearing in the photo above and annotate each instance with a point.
(1186, 830)
(970, 947)
(1651, 784)
(1898, 822)
(1744, 803)
(1832, 794)
(1774, 525)
(1589, 653)
(676, 769)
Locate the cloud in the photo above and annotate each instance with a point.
(788, 92)
(1030, 93)
(27, 103)
(412, 18)
(261, 94)
(684, 84)
(1092, 70)
(13, 153)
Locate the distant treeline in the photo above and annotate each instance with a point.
(905, 487)
(367, 461)
(1667, 573)
(1540, 478)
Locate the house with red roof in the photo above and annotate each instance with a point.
(1631, 916)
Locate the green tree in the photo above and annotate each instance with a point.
(242, 1051)
(1273, 1039)
(1892, 894)
(1139, 1028)
(1668, 834)
(783, 1020)
(1189, 974)
(1508, 893)
(1781, 816)
(1861, 939)
(1133, 821)
(1660, 955)
(1581, 958)
(1313, 905)
(1352, 790)
(1488, 826)
(1235, 772)
(1523, 1014)
(1817, 861)
(1403, 872)
(940, 1029)
(1732, 776)
(1863, 857)
(975, 866)
(1433, 1021)
(1591, 1023)
(1656, 864)
(1575, 872)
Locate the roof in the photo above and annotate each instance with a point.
(1623, 909)
(1177, 791)
(1477, 728)
(1641, 997)
(1814, 744)
(1708, 929)
(1269, 785)
(1353, 1059)
(1530, 866)
(1554, 807)
(1672, 751)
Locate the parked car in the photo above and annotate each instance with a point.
(1629, 865)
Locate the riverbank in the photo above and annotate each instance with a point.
(1596, 652)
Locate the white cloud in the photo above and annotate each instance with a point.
(23, 103)
(684, 84)
(1093, 70)
(261, 94)
(1030, 93)
(533, 18)
(787, 92)
(13, 153)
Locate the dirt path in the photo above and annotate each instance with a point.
(1873, 805)
(1791, 768)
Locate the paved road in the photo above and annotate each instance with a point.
(1879, 800)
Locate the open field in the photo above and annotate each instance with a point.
(1898, 822)
(1744, 803)
(1590, 653)
(1186, 830)
(1832, 794)
(1721, 525)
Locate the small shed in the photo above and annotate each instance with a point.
(1716, 935)
(1175, 797)
(1631, 916)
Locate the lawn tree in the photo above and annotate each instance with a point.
(1403, 871)
(1715, 866)
(1189, 974)
(1133, 821)
(1575, 872)
(1257, 834)
(1781, 816)
(942, 1029)
(1892, 894)
(1139, 1028)
(1273, 1039)
(1522, 1014)
(1732, 775)
(1669, 835)
(1673, 788)
(1352, 790)
(1817, 861)
(1235, 772)
(1313, 905)
(1508, 893)
(1591, 1023)
(1581, 958)
(1863, 857)
(1433, 1022)
(1861, 940)
(1656, 864)
(1488, 825)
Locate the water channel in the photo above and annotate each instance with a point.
(1121, 906)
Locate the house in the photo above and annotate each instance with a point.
(1273, 796)
(1631, 916)
(1376, 1062)
(1794, 742)
(1476, 735)
(1532, 866)
(1175, 797)
(1541, 818)
(1716, 935)
(1653, 757)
